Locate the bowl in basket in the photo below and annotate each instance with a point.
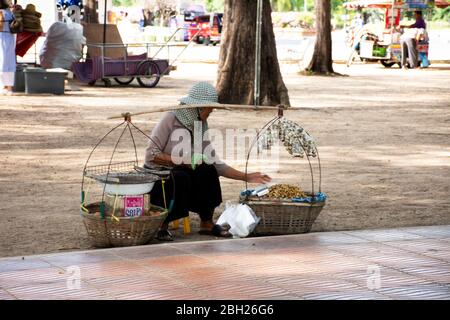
(129, 189)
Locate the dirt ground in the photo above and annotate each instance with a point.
(383, 136)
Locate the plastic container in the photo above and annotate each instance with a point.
(38, 80)
(19, 78)
(129, 189)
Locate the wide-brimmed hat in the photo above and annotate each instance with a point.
(202, 93)
(30, 9)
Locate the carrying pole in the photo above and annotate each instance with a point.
(258, 53)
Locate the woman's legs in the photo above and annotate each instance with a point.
(207, 193)
(207, 196)
(195, 190)
(176, 194)
(177, 189)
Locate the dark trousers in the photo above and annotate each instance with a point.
(409, 53)
(190, 190)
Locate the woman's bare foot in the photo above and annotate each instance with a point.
(164, 234)
(209, 228)
(206, 225)
(164, 226)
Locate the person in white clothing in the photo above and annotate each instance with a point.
(7, 48)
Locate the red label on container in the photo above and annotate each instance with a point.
(134, 206)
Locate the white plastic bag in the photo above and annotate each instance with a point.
(241, 219)
(63, 45)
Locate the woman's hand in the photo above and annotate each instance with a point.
(258, 177)
(255, 177)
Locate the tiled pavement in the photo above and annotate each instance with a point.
(405, 263)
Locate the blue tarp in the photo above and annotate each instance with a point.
(319, 197)
(68, 3)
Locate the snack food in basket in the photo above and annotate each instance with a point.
(285, 191)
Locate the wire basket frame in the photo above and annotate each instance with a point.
(263, 130)
(117, 172)
(120, 172)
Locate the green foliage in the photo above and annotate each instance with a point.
(123, 3)
(337, 10)
(291, 5)
(298, 5)
(306, 19)
(337, 7)
(283, 5)
(214, 5)
(441, 14)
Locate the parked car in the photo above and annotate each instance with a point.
(210, 28)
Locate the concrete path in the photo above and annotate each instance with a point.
(404, 263)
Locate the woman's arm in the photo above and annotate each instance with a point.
(228, 172)
(254, 177)
(158, 140)
(167, 160)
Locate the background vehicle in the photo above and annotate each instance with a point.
(384, 46)
(190, 13)
(210, 28)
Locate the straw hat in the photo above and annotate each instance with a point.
(202, 93)
(30, 9)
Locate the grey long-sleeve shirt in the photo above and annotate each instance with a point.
(170, 137)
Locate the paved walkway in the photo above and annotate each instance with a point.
(406, 263)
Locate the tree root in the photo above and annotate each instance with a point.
(324, 74)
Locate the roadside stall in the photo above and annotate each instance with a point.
(28, 31)
(385, 46)
(116, 204)
(47, 76)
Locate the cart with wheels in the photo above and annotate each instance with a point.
(123, 70)
(113, 61)
(386, 47)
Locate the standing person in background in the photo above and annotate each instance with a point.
(358, 22)
(7, 49)
(409, 41)
(141, 20)
(419, 21)
(355, 32)
(148, 18)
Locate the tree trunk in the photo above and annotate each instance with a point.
(90, 11)
(235, 81)
(322, 61)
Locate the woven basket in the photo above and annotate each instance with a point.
(104, 233)
(283, 217)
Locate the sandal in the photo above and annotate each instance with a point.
(164, 235)
(217, 231)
